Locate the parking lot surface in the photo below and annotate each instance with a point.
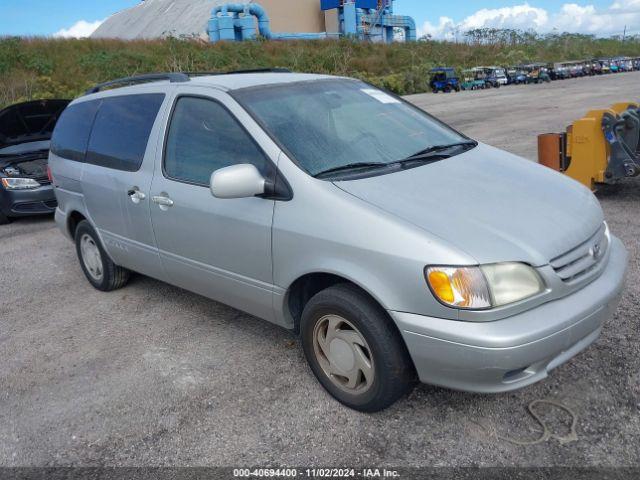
(154, 375)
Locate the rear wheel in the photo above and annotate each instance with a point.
(354, 349)
(101, 272)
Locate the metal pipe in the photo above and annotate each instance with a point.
(248, 9)
(407, 23)
(226, 23)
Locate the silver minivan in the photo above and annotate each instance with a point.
(397, 248)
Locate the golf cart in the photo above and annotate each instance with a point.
(471, 80)
(537, 73)
(444, 79)
(497, 76)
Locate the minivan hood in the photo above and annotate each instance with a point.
(29, 122)
(493, 205)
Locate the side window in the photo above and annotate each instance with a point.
(204, 137)
(71, 135)
(121, 131)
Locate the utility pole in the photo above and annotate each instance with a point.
(624, 35)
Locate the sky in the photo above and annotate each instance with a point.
(440, 19)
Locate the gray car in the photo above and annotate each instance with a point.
(25, 133)
(397, 248)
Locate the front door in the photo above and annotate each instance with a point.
(218, 248)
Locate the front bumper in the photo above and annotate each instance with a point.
(493, 357)
(24, 203)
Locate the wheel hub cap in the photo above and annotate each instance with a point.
(343, 354)
(91, 257)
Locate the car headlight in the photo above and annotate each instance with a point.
(19, 183)
(484, 287)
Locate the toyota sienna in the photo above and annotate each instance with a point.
(397, 248)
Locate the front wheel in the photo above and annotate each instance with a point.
(355, 350)
(99, 269)
(4, 220)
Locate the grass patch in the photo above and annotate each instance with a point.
(33, 68)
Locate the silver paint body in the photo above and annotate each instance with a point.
(483, 206)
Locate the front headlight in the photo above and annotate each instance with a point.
(484, 287)
(19, 183)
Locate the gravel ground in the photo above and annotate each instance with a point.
(153, 375)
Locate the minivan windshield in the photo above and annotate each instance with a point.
(342, 125)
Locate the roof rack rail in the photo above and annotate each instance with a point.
(180, 77)
(153, 77)
(233, 72)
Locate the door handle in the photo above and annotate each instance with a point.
(136, 195)
(163, 201)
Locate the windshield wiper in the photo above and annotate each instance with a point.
(436, 151)
(352, 166)
(431, 154)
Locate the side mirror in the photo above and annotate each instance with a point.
(237, 181)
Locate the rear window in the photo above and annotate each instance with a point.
(121, 131)
(71, 135)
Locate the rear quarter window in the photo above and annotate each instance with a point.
(121, 131)
(71, 135)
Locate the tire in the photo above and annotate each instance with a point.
(4, 220)
(391, 374)
(101, 272)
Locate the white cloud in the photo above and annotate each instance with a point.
(570, 17)
(444, 29)
(518, 16)
(79, 29)
(626, 5)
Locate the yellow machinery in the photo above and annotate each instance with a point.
(621, 108)
(600, 148)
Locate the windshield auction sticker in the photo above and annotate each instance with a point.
(380, 95)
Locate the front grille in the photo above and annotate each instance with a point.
(580, 261)
(43, 180)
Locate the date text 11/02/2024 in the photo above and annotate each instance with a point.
(315, 473)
